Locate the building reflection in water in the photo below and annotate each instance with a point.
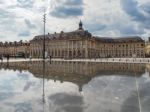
(79, 73)
(43, 73)
(85, 74)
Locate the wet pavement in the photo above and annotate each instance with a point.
(74, 87)
(112, 60)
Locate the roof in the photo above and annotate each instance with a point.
(63, 35)
(120, 39)
(15, 43)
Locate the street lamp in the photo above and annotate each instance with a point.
(44, 21)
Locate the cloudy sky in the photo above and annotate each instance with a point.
(22, 19)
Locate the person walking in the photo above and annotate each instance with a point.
(7, 58)
(50, 58)
(1, 57)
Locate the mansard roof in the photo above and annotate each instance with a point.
(64, 35)
(103, 39)
(15, 43)
(130, 39)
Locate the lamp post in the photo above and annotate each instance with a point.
(44, 20)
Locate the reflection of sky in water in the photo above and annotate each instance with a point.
(22, 92)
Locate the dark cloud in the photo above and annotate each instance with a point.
(69, 8)
(132, 9)
(138, 13)
(67, 102)
(29, 24)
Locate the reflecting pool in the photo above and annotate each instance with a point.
(74, 87)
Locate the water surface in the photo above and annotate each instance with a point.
(74, 87)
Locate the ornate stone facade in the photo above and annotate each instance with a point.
(77, 44)
(121, 47)
(63, 45)
(147, 48)
(81, 44)
(15, 48)
(79, 73)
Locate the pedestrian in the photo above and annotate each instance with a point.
(7, 58)
(1, 57)
(50, 58)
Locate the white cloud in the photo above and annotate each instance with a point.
(100, 17)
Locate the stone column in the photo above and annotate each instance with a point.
(68, 48)
(86, 49)
(72, 51)
(81, 50)
(90, 50)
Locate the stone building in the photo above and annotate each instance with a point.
(79, 73)
(147, 48)
(15, 48)
(63, 45)
(81, 44)
(77, 44)
(121, 47)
